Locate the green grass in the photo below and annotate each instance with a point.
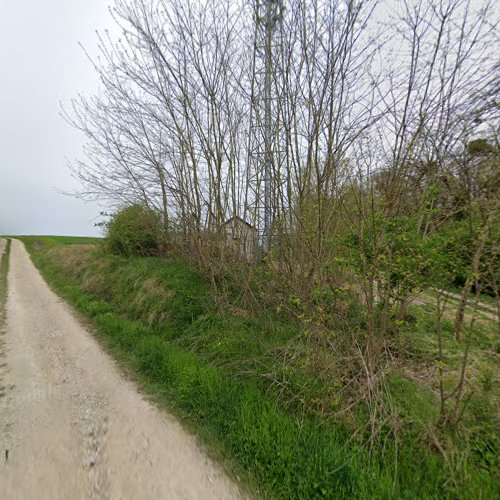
(61, 240)
(4, 267)
(486, 298)
(488, 301)
(211, 368)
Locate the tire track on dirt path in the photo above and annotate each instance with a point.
(73, 426)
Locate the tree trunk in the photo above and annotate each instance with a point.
(476, 259)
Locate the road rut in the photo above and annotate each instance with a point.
(71, 425)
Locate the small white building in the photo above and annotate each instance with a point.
(242, 237)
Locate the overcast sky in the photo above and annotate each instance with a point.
(42, 64)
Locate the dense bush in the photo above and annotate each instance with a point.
(135, 230)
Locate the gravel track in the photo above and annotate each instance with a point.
(71, 426)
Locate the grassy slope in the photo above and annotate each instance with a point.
(4, 266)
(159, 319)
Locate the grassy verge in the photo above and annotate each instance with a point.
(4, 267)
(214, 370)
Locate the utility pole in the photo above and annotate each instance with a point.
(268, 14)
(270, 23)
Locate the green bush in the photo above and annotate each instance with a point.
(135, 230)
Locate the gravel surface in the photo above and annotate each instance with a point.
(71, 426)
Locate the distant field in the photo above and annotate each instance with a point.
(61, 240)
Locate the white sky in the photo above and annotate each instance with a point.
(42, 64)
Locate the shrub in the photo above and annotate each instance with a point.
(135, 230)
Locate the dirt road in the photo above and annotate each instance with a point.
(484, 312)
(71, 426)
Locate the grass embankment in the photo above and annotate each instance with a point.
(213, 370)
(4, 267)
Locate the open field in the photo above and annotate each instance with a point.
(248, 383)
(61, 240)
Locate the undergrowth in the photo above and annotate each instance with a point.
(224, 373)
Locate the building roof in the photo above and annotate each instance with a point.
(240, 220)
